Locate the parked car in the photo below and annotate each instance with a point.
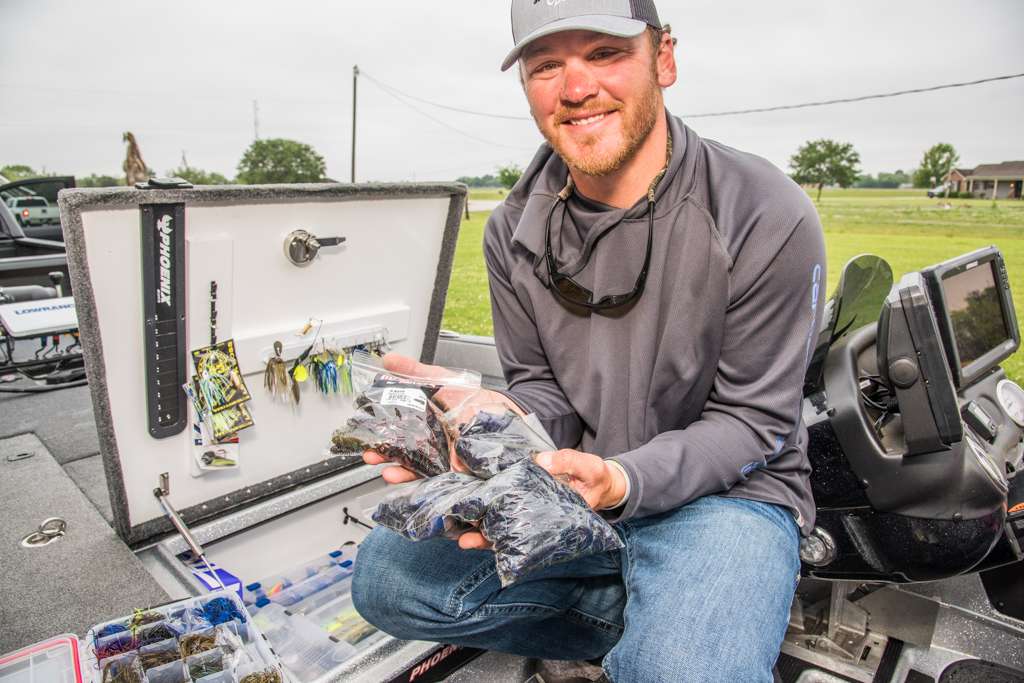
(937, 191)
(25, 260)
(33, 210)
(33, 205)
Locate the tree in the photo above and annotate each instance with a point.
(978, 323)
(825, 162)
(198, 176)
(509, 175)
(18, 172)
(936, 164)
(478, 180)
(884, 180)
(94, 180)
(280, 161)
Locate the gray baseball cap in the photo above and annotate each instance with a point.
(533, 19)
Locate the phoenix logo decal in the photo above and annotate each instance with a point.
(165, 230)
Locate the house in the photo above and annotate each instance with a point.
(957, 179)
(990, 181)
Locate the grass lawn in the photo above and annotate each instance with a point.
(904, 227)
(484, 193)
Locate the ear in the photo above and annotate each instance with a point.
(665, 61)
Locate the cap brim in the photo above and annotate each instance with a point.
(624, 27)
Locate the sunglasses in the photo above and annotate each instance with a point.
(572, 292)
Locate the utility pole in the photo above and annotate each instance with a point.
(256, 119)
(355, 83)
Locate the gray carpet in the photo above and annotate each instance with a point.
(61, 419)
(494, 667)
(88, 475)
(82, 579)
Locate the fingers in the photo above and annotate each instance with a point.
(405, 365)
(457, 464)
(450, 398)
(565, 462)
(398, 475)
(398, 363)
(474, 540)
(584, 472)
(373, 458)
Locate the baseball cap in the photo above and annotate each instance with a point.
(533, 19)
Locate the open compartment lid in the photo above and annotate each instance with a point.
(132, 252)
(56, 660)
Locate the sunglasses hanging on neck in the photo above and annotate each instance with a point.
(572, 292)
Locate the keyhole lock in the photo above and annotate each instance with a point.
(302, 246)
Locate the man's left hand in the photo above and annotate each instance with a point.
(602, 485)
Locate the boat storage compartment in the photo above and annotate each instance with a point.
(161, 273)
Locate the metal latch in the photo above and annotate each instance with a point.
(49, 531)
(156, 183)
(302, 246)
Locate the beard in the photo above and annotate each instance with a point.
(586, 154)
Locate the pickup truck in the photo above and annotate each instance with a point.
(33, 210)
(26, 261)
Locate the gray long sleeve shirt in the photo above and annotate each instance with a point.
(696, 388)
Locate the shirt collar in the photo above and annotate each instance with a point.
(552, 179)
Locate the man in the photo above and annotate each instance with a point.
(655, 296)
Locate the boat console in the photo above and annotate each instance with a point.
(915, 430)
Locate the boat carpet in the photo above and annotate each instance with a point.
(62, 419)
(81, 579)
(89, 476)
(494, 667)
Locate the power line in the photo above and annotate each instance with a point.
(445, 106)
(442, 123)
(395, 91)
(846, 100)
(735, 112)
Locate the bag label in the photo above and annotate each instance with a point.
(408, 398)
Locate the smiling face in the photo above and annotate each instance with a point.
(596, 98)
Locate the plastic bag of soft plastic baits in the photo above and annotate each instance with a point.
(400, 417)
(423, 510)
(495, 439)
(531, 519)
(534, 521)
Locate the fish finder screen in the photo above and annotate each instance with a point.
(976, 312)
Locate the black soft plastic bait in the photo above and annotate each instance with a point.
(401, 422)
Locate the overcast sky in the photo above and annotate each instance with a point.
(183, 76)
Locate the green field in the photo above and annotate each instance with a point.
(483, 193)
(907, 229)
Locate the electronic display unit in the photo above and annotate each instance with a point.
(911, 361)
(974, 309)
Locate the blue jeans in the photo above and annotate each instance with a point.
(700, 593)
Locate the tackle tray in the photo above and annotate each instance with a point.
(211, 639)
(159, 273)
